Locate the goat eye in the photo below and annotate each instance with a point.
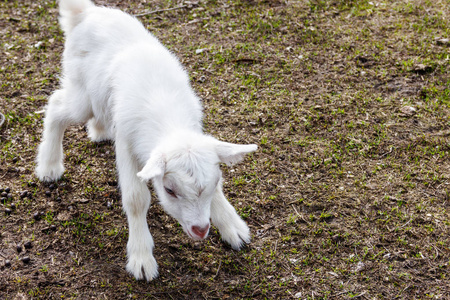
(170, 192)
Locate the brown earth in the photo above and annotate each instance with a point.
(347, 196)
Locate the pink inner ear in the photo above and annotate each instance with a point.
(200, 191)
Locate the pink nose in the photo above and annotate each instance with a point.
(200, 231)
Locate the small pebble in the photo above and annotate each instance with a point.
(4, 194)
(10, 196)
(7, 190)
(26, 259)
(336, 238)
(58, 199)
(28, 245)
(36, 216)
(32, 183)
(24, 194)
(108, 204)
(15, 159)
(48, 193)
(8, 211)
(7, 263)
(13, 206)
(19, 248)
(1, 190)
(48, 229)
(112, 183)
(3, 199)
(52, 186)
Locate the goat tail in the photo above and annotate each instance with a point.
(70, 13)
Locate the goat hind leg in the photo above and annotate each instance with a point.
(97, 131)
(50, 153)
(64, 108)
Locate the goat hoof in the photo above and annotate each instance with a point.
(49, 172)
(143, 267)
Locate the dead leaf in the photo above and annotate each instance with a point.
(408, 110)
(443, 42)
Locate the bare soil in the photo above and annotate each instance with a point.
(347, 196)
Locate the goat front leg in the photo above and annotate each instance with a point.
(136, 202)
(231, 227)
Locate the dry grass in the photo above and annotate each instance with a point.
(348, 196)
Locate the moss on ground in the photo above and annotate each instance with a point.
(347, 196)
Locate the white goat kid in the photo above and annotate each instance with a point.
(121, 81)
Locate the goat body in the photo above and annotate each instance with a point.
(127, 87)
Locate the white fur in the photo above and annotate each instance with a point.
(126, 86)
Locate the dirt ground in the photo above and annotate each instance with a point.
(346, 197)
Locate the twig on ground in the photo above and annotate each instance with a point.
(220, 263)
(301, 216)
(159, 10)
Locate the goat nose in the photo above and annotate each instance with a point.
(200, 231)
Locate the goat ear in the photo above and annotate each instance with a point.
(153, 167)
(233, 153)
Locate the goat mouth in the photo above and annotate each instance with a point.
(193, 235)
